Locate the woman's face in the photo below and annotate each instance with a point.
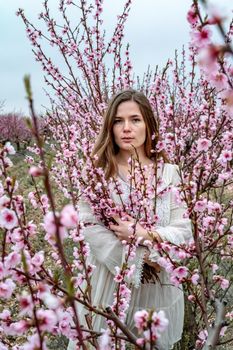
(129, 127)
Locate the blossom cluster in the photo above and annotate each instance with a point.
(151, 325)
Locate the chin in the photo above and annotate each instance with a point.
(127, 147)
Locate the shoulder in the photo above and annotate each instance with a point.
(171, 173)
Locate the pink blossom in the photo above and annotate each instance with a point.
(44, 199)
(230, 315)
(25, 303)
(8, 219)
(67, 153)
(191, 297)
(3, 347)
(224, 176)
(175, 280)
(200, 205)
(159, 322)
(118, 278)
(31, 228)
(78, 281)
(181, 254)
(140, 341)
(228, 96)
(5, 315)
(225, 156)
(214, 207)
(224, 283)
(203, 335)
(12, 260)
(223, 331)
(31, 195)
(51, 301)
(178, 274)
(166, 264)
(6, 288)
(35, 171)
(181, 271)
(42, 289)
(192, 17)
(195, 277)
(3, 270)
(125, 291)
(207, 59)
(9, 148)
(219, 80)
(8, 162)
(47, 319)
(65, 320)
(16, 236)
(19, 328)
(214, 268)
(33, 342)
(201, 37)
(131, 271)
(38, 259)
(33, 200)
(203, 145)
(140, 319)
(69, 216)
(11, 183)
(208, 221)
(50, 227)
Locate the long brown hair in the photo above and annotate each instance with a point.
(105, 147)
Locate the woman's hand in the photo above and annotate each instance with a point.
(123, 230)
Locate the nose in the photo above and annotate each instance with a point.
(126, 126)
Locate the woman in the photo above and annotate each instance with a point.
(130, 130)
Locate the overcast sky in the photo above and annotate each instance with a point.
(155, 28)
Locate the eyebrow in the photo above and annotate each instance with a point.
(131, 116)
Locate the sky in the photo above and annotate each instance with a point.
(155, 29)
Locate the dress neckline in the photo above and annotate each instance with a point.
(123, 179)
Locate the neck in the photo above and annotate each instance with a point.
(122, 157)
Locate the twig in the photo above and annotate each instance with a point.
(214, 331)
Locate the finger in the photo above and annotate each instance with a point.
(114, 227)
(119, 236)
(116, 218)
(129, 218)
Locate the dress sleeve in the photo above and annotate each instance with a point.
(179, 229)
(105, 246)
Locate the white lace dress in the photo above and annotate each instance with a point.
(107, 253)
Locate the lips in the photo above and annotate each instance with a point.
(127, 138)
